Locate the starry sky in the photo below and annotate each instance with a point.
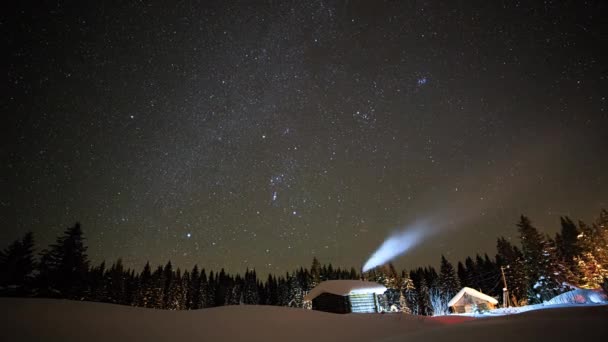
(262, 133)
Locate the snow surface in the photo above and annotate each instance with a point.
(345, 287)
(63, 320)
(471, 292)
(580, 296)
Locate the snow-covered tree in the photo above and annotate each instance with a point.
(408, 291)
(439, 302)
(424, 299)
(540, 266)
(296, 293)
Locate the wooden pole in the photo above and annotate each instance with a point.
(505, 291)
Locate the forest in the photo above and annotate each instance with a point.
(536, 269)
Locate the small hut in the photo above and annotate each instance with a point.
(468, 299)
(345, 296)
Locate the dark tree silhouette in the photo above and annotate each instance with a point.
(64, 266)
(17, 266)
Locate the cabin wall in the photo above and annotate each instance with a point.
(331, 303)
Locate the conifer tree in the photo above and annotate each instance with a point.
(424, 299)
(203, 290)
(64, 266)
(193, 293)
(211, 290)
(283, 291)
(17, 266)
(272, 296)
(115, 279)
(131, 286)
(157, 297)
(545, 275)
(315, 272)
(511, 259)
(97, 287)
(296, 293)
(448, 281)
(144, 295)
(250, 290)
(176, 294)
(407, 300)
(461, 271)
(471, 274)
(167, 285)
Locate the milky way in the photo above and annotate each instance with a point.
(263, 134)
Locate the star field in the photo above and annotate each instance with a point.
(265, 133)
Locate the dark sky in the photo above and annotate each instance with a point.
(266, 133)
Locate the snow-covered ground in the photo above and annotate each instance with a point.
(62, 320)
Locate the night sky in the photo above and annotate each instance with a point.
(262, 134)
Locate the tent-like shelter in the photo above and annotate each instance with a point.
(345, 296)
(468, 299)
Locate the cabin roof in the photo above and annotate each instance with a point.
(471, 292)
(345, 288)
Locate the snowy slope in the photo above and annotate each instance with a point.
(61, 320)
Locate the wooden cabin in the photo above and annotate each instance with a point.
(468, 299)
(345, 296)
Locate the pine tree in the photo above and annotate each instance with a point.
(448, 281)
(175, 298)
(407, 300)
(193, 293)
(315, 272)
(131, 286)
(272, 296)
(145, 292)
(296, 293)
(17, 266)
(211, 291)
(471, 274)
(167, 285)
(203, 290)
(283, 291)
(569, 247)
(511, 258)
(250, 290)
(424, 299)
(545, 274)
(64, 266)
(97, 287)
(461, 271)
(590, 271)
(532, 250)
(115, 279)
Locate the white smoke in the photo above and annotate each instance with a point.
(396, 245)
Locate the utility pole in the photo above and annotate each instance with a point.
(505, 291)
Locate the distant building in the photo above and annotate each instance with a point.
(468, 300)
(345, 296)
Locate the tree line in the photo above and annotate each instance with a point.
(536, 269)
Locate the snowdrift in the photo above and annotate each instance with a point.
(580, 296)
(62, 320)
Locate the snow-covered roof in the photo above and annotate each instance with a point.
(471, 292)
(345, 288)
